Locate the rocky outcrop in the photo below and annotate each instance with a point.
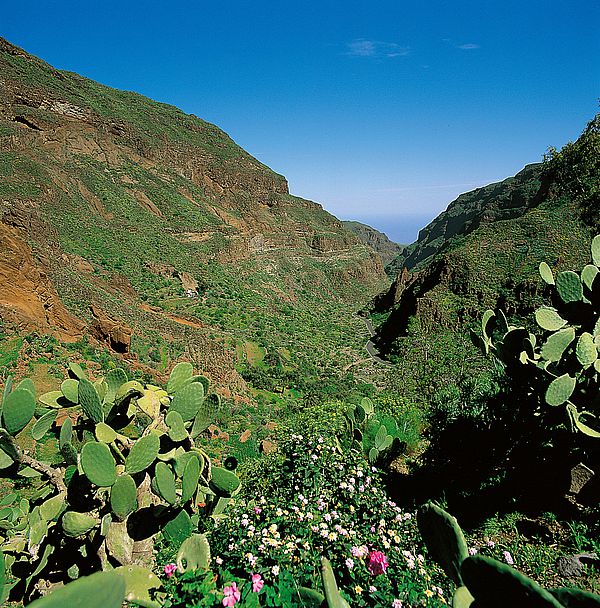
(27, 297)
(503, 200)
(378, 241)
(116, 335)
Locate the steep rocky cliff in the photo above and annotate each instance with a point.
(387, 249)
(499, 201)
(100, 187)
(484, 250)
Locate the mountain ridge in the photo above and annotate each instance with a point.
(377, 240)
(483, 251)
(104, 188)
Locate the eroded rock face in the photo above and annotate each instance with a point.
(27, 297)
(114, 333)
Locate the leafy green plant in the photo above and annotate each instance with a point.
(123, 468)
(322, 499)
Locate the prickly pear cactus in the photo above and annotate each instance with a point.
(124, 469)
(497, 585)
(560, 368)
(444, 539)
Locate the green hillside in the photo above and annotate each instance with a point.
(193, 409)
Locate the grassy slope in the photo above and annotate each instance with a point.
(89, 197)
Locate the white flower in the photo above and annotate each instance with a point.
(275, 570)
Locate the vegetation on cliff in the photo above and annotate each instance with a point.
(189, 415)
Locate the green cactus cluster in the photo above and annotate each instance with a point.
(561, 366)
(368, 431)
(125, 469)
(484, 582)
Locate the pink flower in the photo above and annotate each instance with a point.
(508, 557)
(359, 552)
(377, 563)
(257, 510)
(257, 583)
(170, 570)
(232, 595)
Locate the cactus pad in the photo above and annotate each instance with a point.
(549, 319)
(194, 554)
(98, 464)
(332, 593)
(128, 390)
(224, 482)
(190, 478)
(138, 582)
(586, 350)
(560, 389)
(70, 389)
(52, 508)
(556, 344)
(588, 274)
(546, 273)
(17, 410)
(150, 404)
(99, 590)
(311, 598)
(178, 528)
(123, 496)
(105, 433)
(569, 287)
(497, 585)
(181, 462)
(43, 425)
(114, 380)
(462, 598)
(444, 539)
(66, 432)
(53, 399)
(142, 454)
(596, 250)
(187, 401)
(180, 374)
(76, 371)
(165, 482)
(77, 524)
(90, 401)
(576, 598)
(367, 405)
(177, 430)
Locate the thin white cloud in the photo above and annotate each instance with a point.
(478, 184)
(468, 47)
(363, 47)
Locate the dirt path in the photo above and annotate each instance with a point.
(370, 346)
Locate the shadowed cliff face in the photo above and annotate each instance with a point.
(122, 185)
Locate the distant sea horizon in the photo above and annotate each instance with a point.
(403, 229)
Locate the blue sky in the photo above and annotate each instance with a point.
(382, 111)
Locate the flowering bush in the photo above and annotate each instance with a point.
(324, 500)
